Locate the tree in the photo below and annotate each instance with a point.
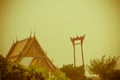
(74, 73)
(38, 72)
(3, 67)
(17, 72)
(103, 67)
(115, 75)
(59, 75)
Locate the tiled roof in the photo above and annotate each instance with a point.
(30, 48)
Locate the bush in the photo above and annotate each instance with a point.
(16, 71)
(104, 67)
(74, 73)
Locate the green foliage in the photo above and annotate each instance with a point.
(3, 66)
(20, 72)
(39, 72)
(74, 73)
(115, 75)
(15, 71)
(60, 76)
(103, 67)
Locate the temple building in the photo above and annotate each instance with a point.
(30, 48)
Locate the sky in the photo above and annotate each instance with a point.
(55, 21)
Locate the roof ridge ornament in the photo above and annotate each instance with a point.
(13, 40)
(30, 33)
(34, 34)
(16, 39)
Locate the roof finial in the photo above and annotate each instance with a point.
(30, 33)
(34, 33)
(16, 39)
(13, 40)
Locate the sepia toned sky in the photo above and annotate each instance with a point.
(55, 21)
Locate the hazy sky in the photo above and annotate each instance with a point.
(54, 21)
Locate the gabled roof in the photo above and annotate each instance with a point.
(30, 48)
(44, 61)
(17, 48)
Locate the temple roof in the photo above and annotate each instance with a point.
(30, 48)
(17, 48)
